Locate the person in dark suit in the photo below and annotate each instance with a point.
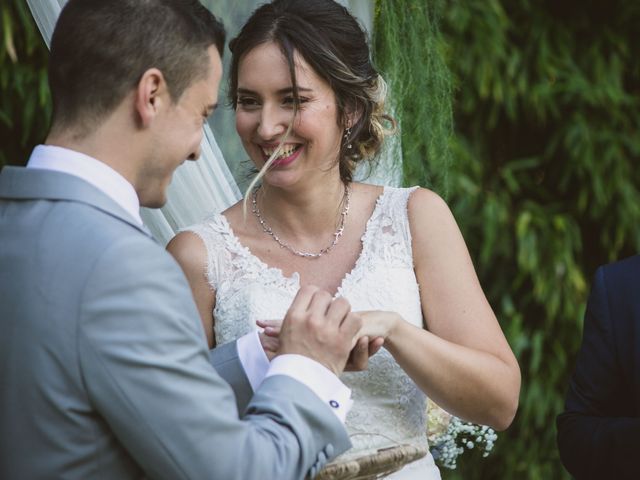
(599, 430)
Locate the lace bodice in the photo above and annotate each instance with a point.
(388, 407)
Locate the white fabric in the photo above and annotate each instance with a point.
(318, 378)
(45, 13)
(308, 372)
(388, 406)
(95, 172)
(253, 359)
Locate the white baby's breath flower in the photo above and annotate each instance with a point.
(448, 435)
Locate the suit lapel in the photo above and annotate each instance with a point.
(19, 183)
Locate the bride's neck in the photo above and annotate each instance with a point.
(310, 210)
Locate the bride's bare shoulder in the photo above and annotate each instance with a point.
(233, 210)
(237, 216)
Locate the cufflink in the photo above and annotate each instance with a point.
(328, 450)
(334, 404)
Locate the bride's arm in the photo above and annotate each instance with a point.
(462, 359)
(189, 251)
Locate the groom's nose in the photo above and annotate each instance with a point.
(197, 151)
(194, 156)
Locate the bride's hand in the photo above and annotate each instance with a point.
(271, 328)
(378, 323)
(269, 336)
(364, 349)
(269, 344)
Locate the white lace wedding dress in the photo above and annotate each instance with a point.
(388, 407)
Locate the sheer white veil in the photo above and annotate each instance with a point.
(206, 186)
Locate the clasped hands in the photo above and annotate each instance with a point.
(324, 329)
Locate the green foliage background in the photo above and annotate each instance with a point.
(540, 169)
(25, 104)
(539, 165)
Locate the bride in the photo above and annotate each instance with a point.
(309, 109)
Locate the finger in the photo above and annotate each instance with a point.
(350, 326)
(360, 355)
(271, 347)
(269, 343)
(272, 331)
(303, 299)
(270, 327)
(269, 323)
(375, 345)
(319, 304)
(338, 310)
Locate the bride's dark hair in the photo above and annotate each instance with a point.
(332, 42)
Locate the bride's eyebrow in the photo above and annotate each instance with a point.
(282, 91)
(288, 90)
(245, 91)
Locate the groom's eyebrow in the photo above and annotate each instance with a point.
(210, 109)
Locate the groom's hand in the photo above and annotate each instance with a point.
(358, 358)
(320, 328)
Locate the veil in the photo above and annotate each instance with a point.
(206, 186)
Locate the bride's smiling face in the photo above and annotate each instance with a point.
(265, 109)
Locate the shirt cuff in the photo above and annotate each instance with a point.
(316, 377)
(253, 359)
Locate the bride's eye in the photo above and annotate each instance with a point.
(290, 101)
(247, 102)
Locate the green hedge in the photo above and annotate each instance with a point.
(541, 171)
(25, 104)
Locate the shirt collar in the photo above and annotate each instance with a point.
(95, 172)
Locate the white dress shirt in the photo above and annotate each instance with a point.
(95, 172)
(252, 356)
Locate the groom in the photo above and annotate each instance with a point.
(104, 368)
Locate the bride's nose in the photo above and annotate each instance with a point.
(272, 122)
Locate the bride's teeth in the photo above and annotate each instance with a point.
(285, 152)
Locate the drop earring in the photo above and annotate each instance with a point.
(347, 138)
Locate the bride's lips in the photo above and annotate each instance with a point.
(284, 161)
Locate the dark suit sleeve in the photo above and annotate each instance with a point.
(595, 437)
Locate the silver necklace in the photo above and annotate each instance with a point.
(336, 236)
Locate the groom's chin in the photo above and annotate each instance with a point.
(153, 199)
(154, 203)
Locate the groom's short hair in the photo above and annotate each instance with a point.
(101, 48)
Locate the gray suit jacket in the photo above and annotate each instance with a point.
(104, 369)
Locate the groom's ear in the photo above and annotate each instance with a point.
(152, 94)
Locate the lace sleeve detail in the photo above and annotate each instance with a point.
(397, 209)
(212, 232)
(388, 236)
